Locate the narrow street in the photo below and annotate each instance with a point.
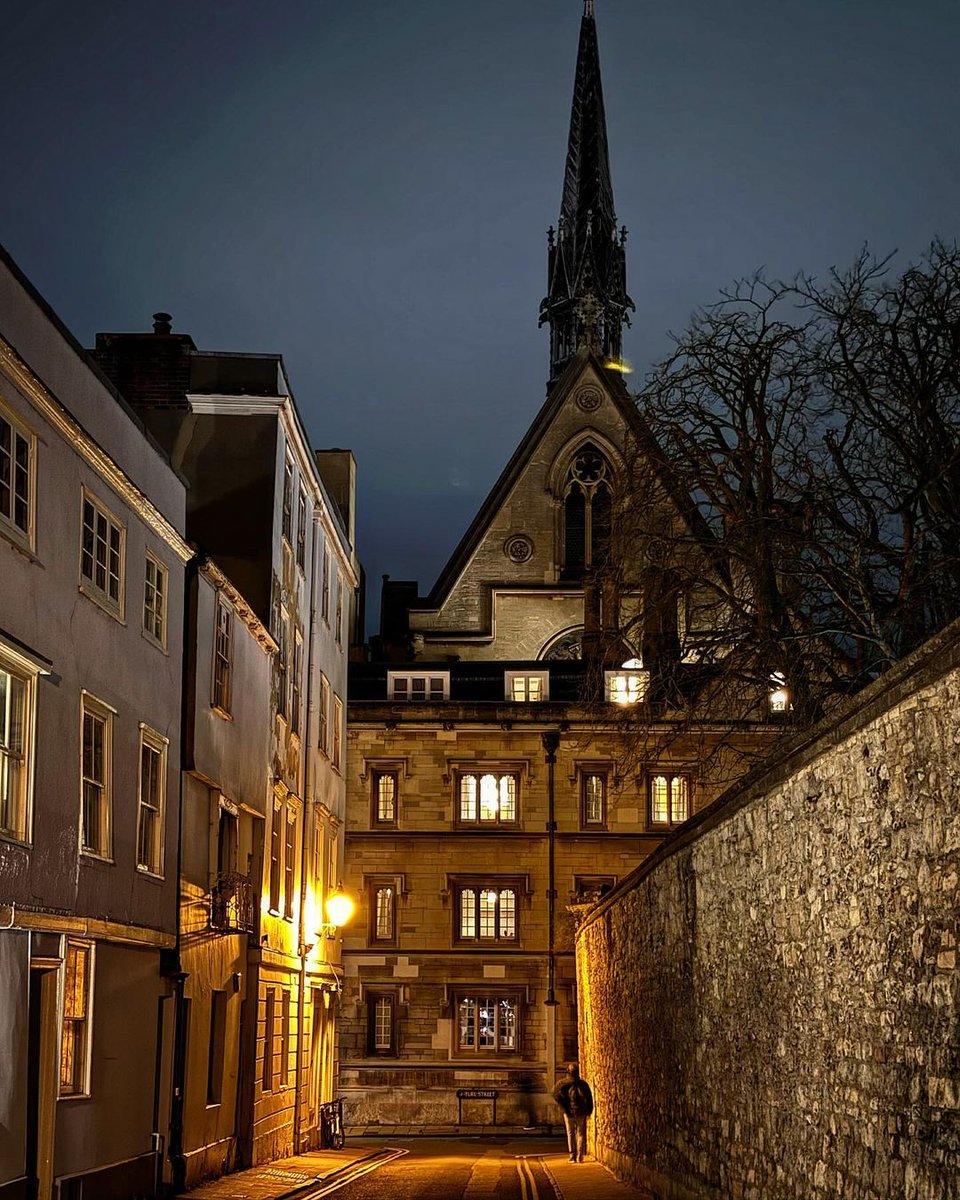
(477, 1169)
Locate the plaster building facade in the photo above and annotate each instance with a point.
(488, 785)
(92, 561)
(277, 518)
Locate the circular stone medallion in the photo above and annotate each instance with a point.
(518, 548)
(589, 399)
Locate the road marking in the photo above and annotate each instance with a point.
(528, 1183)
(364, 1168)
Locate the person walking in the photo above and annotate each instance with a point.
(576, 1101)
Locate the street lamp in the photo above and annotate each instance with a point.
(339, 908)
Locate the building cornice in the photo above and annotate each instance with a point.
(75, 925)
(212, 572)
(21, 376)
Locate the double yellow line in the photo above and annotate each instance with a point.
(528, 1185)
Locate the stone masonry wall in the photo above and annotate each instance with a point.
(769, 1006)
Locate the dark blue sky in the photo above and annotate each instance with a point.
(365, 187)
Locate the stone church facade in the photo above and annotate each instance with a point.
(490, 791)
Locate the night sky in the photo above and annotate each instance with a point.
(365, 187)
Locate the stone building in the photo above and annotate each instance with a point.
(277, 519)
(92, 562)
(488, 784)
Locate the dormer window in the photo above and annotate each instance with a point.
(587, 511)
(527, 686)
(628, 685)
(420, 688)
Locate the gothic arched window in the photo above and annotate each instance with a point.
(587, 511)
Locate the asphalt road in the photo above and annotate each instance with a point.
(457, 1169)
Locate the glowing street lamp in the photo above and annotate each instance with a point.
(339, 908)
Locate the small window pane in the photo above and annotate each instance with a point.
(468, 913)
(489, 798)
(508, 913)
(508, 798)
(386, 797)
(383, 1023)
(508, 1024)
(594, 787)
(468, 798)
(680, 799)
(487, 1014)
(384, 913)
(660, 800)
(468, 1023)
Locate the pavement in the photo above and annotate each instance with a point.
(283, 1178)
(288, 1178)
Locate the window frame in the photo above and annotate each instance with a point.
(99, 711)
(268, 1067)
(407, 678)
(163, 576)
(512, 678)
(325, 581)
(88, 585)
(289, 863)
(157, 744)
(630, 676)
(587, 773)
(16, 667)
(283, 664)
(376, 775)
(478, 995)
(323, 734)
(286, 508)
(83, 1090)
(373, 997)
(222, 665)
(671, 775)
(375, 885)
(338, 619)
(336, 756)
(302, 527)
(22, 535)
(296, 685)
(476, 885)
(479, 773)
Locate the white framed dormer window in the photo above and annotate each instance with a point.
(18, 707)
(96, 776)
(627, 686)
(77, 1020)
(422, 686)
(153, 782)
(155, 601)
(101, 555)
(527, 686)
(17, 479)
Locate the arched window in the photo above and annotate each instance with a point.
(587, 511)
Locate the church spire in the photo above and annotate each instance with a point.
(586, 260)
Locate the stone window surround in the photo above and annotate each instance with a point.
(22, 536)
(15, 662)
(492, 991)
(603, 774)
(372, 998)
(457, 883)
(390, 772)
(372, 884)
(670, 771)
(480, 770)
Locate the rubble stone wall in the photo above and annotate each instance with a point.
(770, 1005)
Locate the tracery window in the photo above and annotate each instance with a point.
(587, 511)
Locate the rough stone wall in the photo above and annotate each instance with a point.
(769, 1007)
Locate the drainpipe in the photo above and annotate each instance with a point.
(551, 743)
(308, 810)
(178, 1160)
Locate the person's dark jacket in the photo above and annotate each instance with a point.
(574, 1096)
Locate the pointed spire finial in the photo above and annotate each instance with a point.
(588, 8)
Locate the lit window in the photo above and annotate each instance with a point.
(101, 556)
(324, 736)
(222, 657)
(779, 696)
(287, 518)
(487, 1023)
(289, 861)
(276, 855)
(385, 797)
(488, 799)
(381, 1023)
(96, 761)
(16, 478)
(418, 688)
(593, 795)
(337, 732)
(17, 692)
(669, 799)
(76, 1031)
(302, 529)
(529, 687)
(153, 760)
(486, 913)
(626, 687)
(383, 912)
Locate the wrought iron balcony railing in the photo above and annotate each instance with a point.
(231, 903)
